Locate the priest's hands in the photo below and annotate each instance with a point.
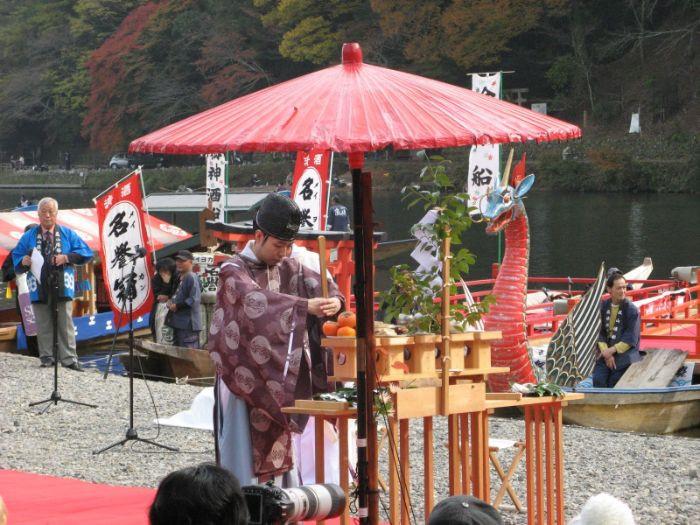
(321, 307)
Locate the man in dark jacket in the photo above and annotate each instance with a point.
(618, 342)
(338, 220)
(185, 317)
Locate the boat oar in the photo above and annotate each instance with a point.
(324, 272)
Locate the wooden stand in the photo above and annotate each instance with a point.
(459, 393)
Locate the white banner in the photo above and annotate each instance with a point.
(216, 185)
(484, 172)
(484, 161)
(311, 187)
(126, 271)
(488, 84)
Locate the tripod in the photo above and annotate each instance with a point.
(53, 282)
(131, 433)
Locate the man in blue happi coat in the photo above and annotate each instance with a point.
(61, 248)
(618, 342)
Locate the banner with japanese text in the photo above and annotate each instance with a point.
(216, 185)
(125, 269)
(311, 187)
(484, 161)
(207, 272)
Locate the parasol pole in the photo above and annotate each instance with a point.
(368, 495)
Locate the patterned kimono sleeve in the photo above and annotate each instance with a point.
(312, 286)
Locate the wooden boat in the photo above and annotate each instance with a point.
(646, 410)
(8, 333)
(388, 249)
(174, 362)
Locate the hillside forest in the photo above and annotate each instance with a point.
(91, 75)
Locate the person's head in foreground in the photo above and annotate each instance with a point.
(201, 495)
(464, 510)
(276, 224)
(604, 509)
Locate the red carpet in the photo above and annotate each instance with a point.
(37, 499)
(47, 500)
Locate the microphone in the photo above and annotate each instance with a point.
(139, 252)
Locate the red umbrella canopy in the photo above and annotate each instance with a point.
(355, 107)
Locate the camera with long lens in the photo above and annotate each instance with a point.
(271, 505)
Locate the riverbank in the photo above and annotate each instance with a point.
(656, 475)
(620, 163)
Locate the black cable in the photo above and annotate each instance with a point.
(153, 401)
(114, 340)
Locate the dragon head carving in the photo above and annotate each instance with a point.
(505, 203)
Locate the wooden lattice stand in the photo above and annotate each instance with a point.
(445, 375)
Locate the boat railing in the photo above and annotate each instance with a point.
(676, 319)
(664, 299)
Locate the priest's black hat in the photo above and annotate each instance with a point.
(277, 216)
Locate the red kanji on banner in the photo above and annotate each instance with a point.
(127, 274)
(311, 187)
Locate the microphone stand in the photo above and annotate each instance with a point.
(131, 433)
(53, 283)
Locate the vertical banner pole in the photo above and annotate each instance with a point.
(227, 172)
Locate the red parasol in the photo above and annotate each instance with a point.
(354, 108)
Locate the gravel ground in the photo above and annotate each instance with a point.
(656, 475)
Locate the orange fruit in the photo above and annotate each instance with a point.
(346, 331)
(330, 328)
(347, 318)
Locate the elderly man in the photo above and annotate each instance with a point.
(61, 249)
(260, 344)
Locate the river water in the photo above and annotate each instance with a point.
(570, 233)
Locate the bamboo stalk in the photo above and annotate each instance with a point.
(324, 270)
(445, 324)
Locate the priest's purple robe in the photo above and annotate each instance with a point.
(260, 345)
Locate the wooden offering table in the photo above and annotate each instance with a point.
(419, 389)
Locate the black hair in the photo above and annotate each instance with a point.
(201, 495)
(167, 264)
(336, 199)
(614, 277)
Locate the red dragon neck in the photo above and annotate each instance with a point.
(508, 314)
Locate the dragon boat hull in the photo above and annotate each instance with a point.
(649, 411)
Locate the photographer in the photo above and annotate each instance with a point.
(205, 494)
(61, 249)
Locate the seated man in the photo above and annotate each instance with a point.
(618, 342)
(203, 494)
